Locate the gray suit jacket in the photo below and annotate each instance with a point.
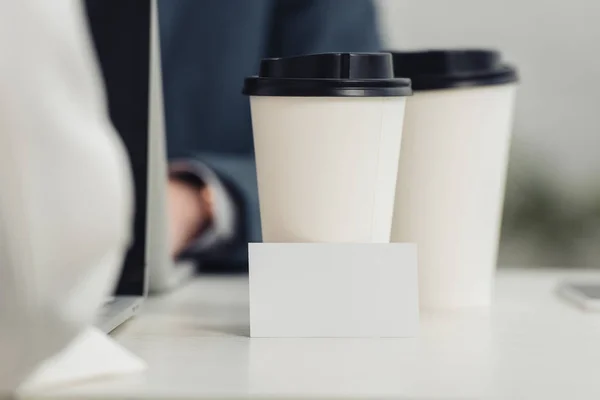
(208, 47)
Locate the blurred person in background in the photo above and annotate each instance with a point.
(208, 48)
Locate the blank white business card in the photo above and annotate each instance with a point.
(333, 290)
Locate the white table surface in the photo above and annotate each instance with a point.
(533, 346)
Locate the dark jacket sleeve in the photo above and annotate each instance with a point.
(295, 27)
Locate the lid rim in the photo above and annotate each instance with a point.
(326, 87)
(432, 82)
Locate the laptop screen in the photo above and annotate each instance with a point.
(121, 35)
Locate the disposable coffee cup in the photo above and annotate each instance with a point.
(327, 134)
(452, 171)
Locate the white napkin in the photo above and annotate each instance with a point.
(65, 185)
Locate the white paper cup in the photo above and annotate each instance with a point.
(452, 174)
(326, 147)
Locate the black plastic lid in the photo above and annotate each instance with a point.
(442, 69)
(328, 75)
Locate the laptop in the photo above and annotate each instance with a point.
(126, 39)
(120, 32)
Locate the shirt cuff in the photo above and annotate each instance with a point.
(224, 214)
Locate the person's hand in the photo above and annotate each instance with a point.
(189, 213)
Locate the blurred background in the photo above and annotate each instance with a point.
(552, 207)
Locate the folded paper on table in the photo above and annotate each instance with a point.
(92, 355)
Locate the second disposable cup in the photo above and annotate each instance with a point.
(452, 171)
(327, 134)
